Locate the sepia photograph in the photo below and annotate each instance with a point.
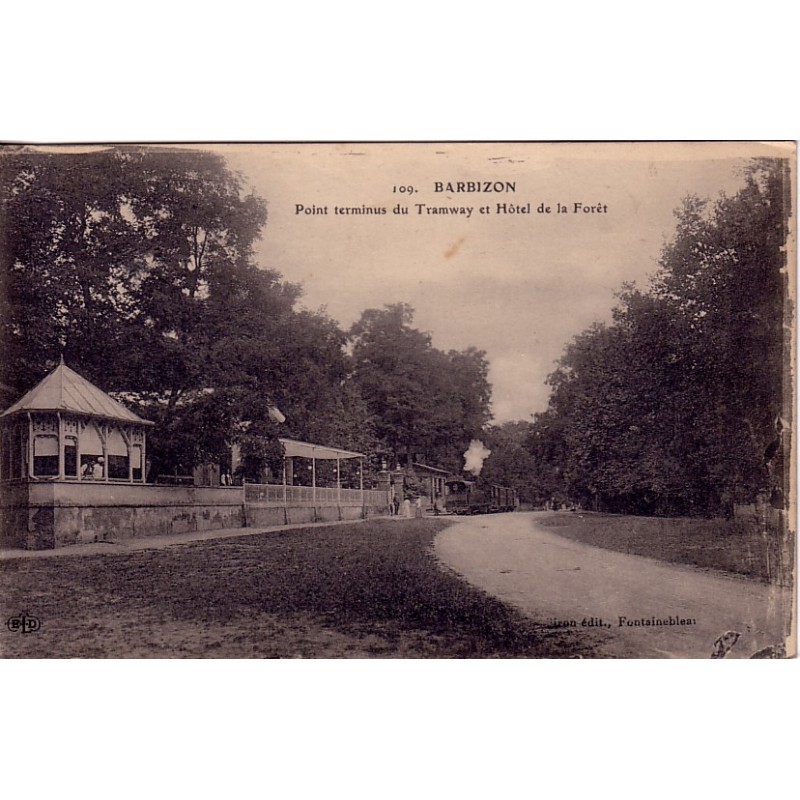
(410, 400)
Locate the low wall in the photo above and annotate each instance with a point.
(271, 504)
(44, 515)
(13, 514)
(259, 515)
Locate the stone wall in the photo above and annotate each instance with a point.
(14, 517)
(43, 515)
(259, 515)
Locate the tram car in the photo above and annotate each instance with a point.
(478, 497)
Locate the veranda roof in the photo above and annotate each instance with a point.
(294, 449)
(64, 390)
(426, 468)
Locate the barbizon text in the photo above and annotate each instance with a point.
(475, 186)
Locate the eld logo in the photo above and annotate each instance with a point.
(23, 623)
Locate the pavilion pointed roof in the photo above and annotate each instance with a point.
(64, 390)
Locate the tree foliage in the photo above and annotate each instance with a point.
(512, 464)
(137, 265)
(675, 406)
(419, 399)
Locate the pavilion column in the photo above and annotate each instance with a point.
(79, 427)
(61, 443)
(126, 435)
(104, 431)
(30, 445)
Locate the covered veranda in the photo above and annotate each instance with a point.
(325, 474)
(318, 482)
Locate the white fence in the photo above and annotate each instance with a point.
(306, 496)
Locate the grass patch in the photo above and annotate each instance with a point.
(736, 546)
(362, 590)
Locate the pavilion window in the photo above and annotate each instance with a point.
(117, 456)
(118, 467)
(136, 462)
(70, 457)
(91, 452)
(45, 456)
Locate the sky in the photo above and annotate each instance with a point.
(519, 286)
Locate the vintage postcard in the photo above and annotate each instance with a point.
(398, 400)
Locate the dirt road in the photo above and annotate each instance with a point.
(631, 606)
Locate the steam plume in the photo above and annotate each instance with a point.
(475, 456)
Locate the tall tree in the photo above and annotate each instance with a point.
(676, 406)
(118, 249)
(420, 399)
(510, 463)
(137, 265)
(725, 274)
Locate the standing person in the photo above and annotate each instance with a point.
(97, 470)
(407, 507)
(392, 510)
(418, 509)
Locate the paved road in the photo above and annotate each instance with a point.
(556, 581)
